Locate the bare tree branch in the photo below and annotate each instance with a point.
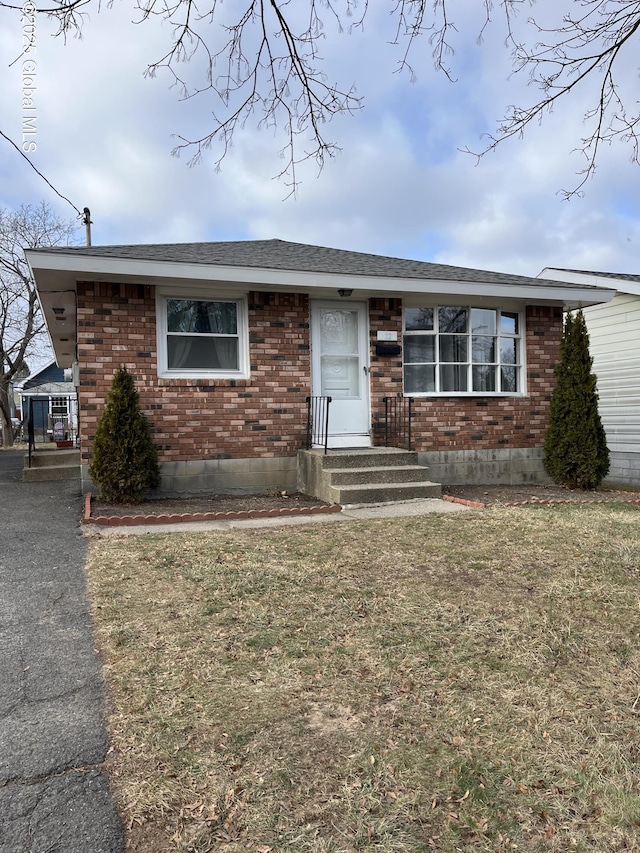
(584, 51)
(262, 64)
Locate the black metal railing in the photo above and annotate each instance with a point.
(318, 422)
(398, 414)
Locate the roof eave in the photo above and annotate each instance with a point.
(621, 285)
(56, 275)
(72, 268)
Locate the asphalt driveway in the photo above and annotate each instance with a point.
(54, 794)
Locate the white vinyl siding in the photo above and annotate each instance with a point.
(614, 333)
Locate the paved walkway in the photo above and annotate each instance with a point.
(401, 509)
(54, 794)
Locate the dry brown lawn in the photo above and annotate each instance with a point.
(454, 682)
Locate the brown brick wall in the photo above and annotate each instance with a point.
(198, 418)
(266, 414)
(469, 423)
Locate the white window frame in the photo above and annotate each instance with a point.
(202, 295)
(59, 400)
(499, 309)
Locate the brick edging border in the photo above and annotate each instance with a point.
(463, 501)
(178, 518)
(549, 502)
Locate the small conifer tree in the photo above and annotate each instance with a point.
(125, 461)
(575, 445)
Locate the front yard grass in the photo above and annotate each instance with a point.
(452, 682)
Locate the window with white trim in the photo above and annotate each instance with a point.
(200, 337)
(59, 406)
(462, 350)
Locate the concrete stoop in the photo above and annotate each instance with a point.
(363, 476)
(47, 465)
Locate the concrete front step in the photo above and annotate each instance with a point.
(48, 465)
(53, 458)
(365, 475)
(383, 474)
(369, 457)
(51, 472)
(385, 492)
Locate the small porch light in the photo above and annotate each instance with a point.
(345, 291)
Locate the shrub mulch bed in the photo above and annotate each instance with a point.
(203, 508)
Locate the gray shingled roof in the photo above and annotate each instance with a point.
(617, 276)
(299, 257)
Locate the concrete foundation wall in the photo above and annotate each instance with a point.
(220, 476)
(506, 466)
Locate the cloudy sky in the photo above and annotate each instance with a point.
(400, 186)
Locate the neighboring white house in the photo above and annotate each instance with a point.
(614, 334)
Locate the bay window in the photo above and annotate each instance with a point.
(461, 350)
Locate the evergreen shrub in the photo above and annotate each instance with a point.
(125, 461)
(575, 444)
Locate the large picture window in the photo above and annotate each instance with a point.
(201, 337)
(461, 350)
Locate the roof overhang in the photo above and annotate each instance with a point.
(621, 284)
(56, 275)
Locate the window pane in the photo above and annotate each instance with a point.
(419, 348)
(338, 331)
(483, 349)
(483, 321)
(484, 378)
(188, 315)
(192, 352)
(454, 348)
(509, 379)
(418, 319)
(509, 323)
(486, 337)
(59, 405)
(508, 351)
(419, 378)
(452, 319)
(453, 377)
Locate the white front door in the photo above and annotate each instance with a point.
(340, 369)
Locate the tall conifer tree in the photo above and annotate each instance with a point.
(125, 461)
(575, 445)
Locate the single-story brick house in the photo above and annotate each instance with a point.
(614, 342)
(226, 342)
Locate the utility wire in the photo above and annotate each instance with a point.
(22, 154)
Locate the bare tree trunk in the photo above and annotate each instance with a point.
(5, 416)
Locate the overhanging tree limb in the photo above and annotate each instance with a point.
(271, 64)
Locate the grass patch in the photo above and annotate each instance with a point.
(442, 683)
